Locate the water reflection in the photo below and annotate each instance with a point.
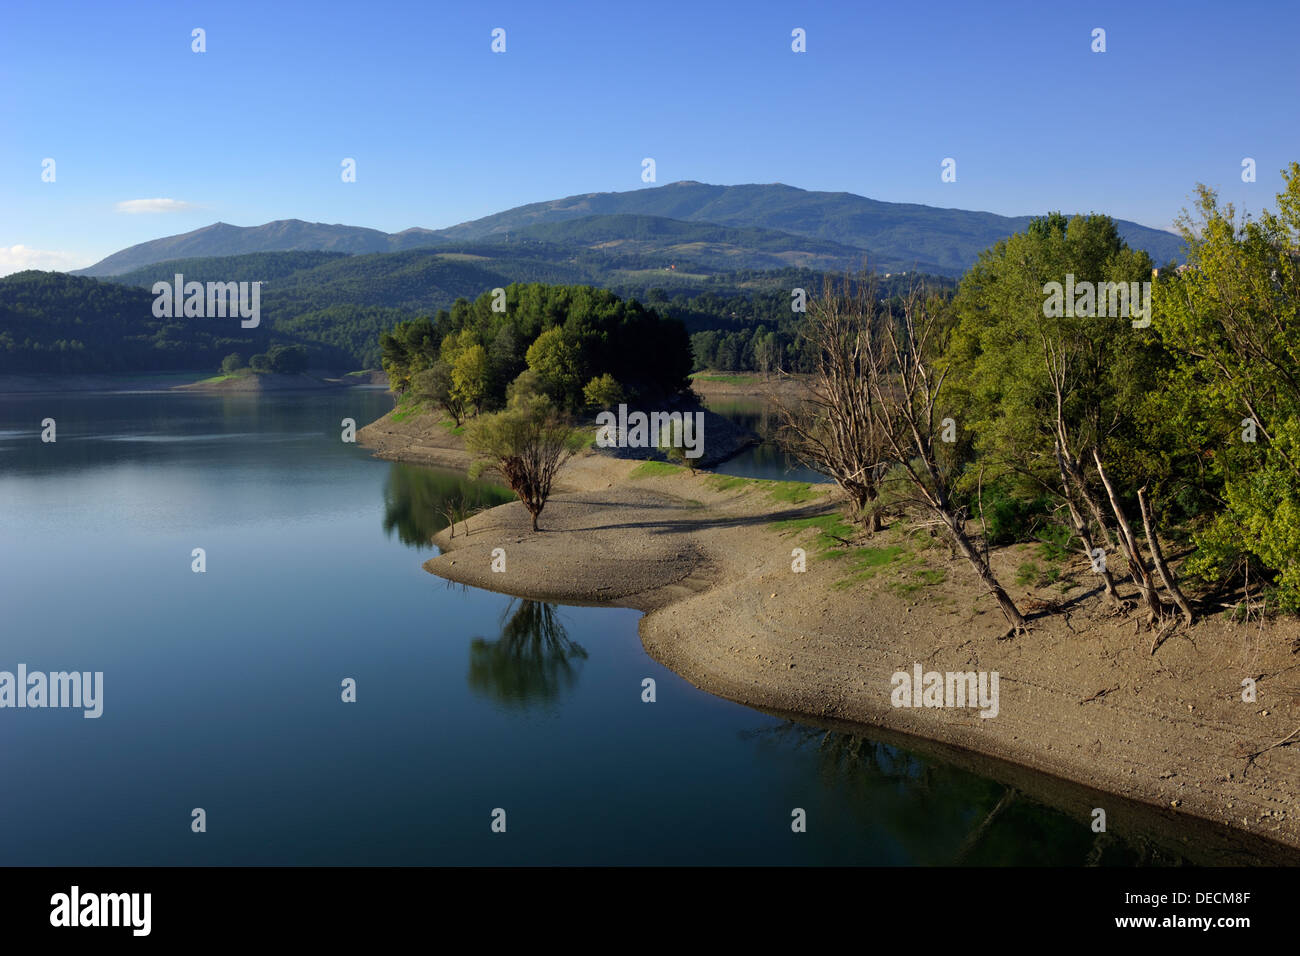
(533, 661)
(420, 502)
(766, 459)
(948, 816)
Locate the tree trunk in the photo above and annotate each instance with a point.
(1081, 485)
(1159, 558)
(967, 548)
(1082, 530)
(1141, 576)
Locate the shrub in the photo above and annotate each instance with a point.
(603, 391)
(287, 359)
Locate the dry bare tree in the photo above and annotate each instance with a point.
(836, 430)
(907, 402)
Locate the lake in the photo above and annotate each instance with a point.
(765, 459)
(222, 688)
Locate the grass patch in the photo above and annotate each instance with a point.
(403, 414)
(921, 578)
(655, 469)
(1054, 543)
(865, 563)
(791, 492)
(932, 576)
(730, 482)
(874, 558)
(830, 529)
(733, 379)
(407, 407)
(782, 492)
(227, 376)
(452, 427)
(1029, 574)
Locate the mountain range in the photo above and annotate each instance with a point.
(710, 228)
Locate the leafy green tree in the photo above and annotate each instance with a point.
(767, 350)
(471, 376)
(528, 385)
(603, 391)
(576, 333)
(556, 360)
(1232, 320)
(408, 348)
(528, 443)
(1051, 397)
(434, 385)
(232, 363)
(287, 359)
(260, 362)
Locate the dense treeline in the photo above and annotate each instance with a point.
(1161, 444)
(759, 331)
(336, 304)
(576, 343)
(50, 322)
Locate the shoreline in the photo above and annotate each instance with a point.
(1082, 699)
(53, 383)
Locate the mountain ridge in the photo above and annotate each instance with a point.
(944, 240)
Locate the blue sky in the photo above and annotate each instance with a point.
(444, 130)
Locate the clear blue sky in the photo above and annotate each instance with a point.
(444, 130)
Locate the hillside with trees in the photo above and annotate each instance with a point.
(573, 344)
(336, 305)
(1163, 450)
(56, 323)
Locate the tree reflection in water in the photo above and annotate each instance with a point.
(416, 501)
(533, 661)
(944, 815)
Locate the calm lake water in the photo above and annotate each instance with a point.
(765, 460)
(222, 689)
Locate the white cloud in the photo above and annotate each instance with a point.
(17, 258)
(154, 205)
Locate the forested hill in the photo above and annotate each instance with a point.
(336, 305)
(795, 223)
(51, 322)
